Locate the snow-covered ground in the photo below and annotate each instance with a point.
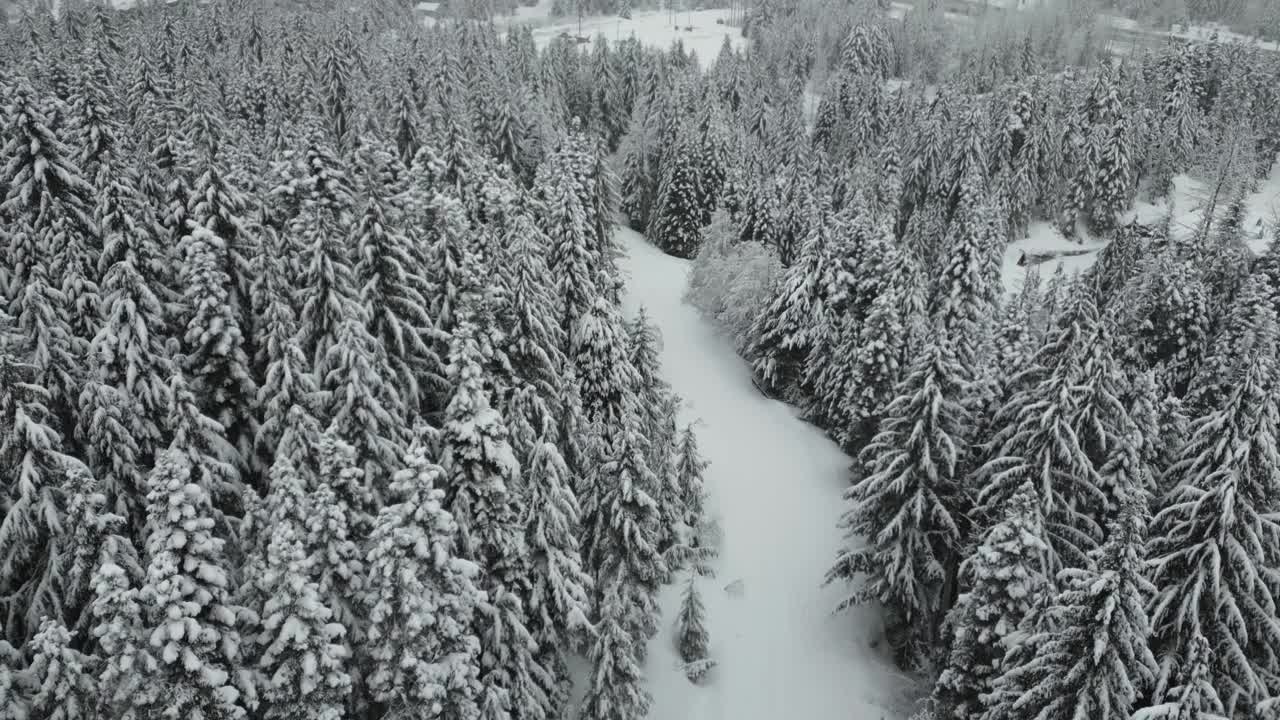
(1043, 237)
(1262, 208)
(1262, 215)
(774, 486)
(654, 28)
(527, 15)
(1198, 33)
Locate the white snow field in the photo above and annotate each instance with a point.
(774, 486)
(654, 28)
(1262, 217)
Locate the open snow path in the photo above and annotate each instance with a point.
(774, 485)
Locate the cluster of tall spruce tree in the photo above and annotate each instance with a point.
(316, 397)
(317, 400)
(1066, 493)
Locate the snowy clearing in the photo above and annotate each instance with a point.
(1043, 237)
(526, 15)
(1262, 214)
(774, 487)
(654, 28)
(1196, 33)
(1262, 208)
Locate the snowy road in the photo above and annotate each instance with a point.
(774, 484)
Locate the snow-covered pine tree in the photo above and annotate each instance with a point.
(170, 193)
(828, 120)
(621, 530)
(964, 297)
(128, 353)
(1095, 658)
(535, 338)
(388, 273)
(301, 654)
(1223, 250)
(93, 536)
(314, 174)
(1013, 341)
(1118, 262)
(528, 416)
(558, 596)
(1268, 264)
(644, 343)
(1237, 334)
(14, 699)
(288, 380)
(118, 630)
(1159, 423)
(42, 314)
(758, 214)
(1102, 422)
(1214, 536)
(605, 375)
(481, 493)
(513, 683)
(657, 407)
(325, 287)
(610, 114)
(502, 127)
(877, 364)
(96, 126)
(62, 676)
(453, 255)
(1113, 186)
(338, 521)
(189, 623)
(480, 466)
(424, 659)
(910, 505)
(887, 198)
(212, 461)
(867, 120)
(827, 382)
(1195, 698)
(615, 688)
(867, 50)
(219, 205)
(213, 341)
(691, 631)
(1181, 125)
(679, 210)
(33, 501)
(281, 503)
(363, 407)
(1045, 443)
(782, 332)
(1001, 580)
(714, 155)
(1170, 317)
(112, 452)
(46, 197)
(565, 222)
(690, 466)
(600, 196)
(636, 183)
(130, 233)
(74, 262)
(1017, 153)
